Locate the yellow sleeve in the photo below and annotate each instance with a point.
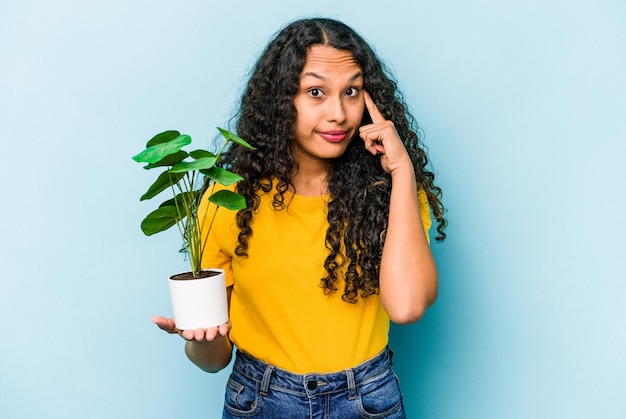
(424, 212)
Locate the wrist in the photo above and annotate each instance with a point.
(403, 170)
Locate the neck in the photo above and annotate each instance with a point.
(311, 180)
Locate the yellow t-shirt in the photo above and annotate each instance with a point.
(278, 310)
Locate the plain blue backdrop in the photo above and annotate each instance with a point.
(523, 108)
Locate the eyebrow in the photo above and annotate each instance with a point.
(319, 76)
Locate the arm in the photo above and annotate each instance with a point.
(209, 349)
(210, 355)
(408, 275)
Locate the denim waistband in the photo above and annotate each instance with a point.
(312, 384)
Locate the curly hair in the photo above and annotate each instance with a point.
(359, 188)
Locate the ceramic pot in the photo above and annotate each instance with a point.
(199, 302)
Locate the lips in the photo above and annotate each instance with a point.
(334, 136)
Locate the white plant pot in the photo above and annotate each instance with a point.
(199, 303)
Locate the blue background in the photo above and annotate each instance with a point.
(523, 107)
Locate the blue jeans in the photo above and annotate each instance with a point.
(259, 390)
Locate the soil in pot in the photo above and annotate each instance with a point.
(188, 275)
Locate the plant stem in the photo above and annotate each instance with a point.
(180, 230)
(211, 224)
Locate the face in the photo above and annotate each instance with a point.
(329, 105)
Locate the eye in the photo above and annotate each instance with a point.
(352, 92)
(315, 92)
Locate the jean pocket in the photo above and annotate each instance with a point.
(380, 397)
(241, 400)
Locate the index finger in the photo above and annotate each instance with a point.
(372, 109)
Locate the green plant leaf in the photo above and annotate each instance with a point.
(228, 199)
(159, 220)
(222, 176)
(184, 199)
(170, 160)
(157, 152)
(164, 181)
(163, 137)
(198, 154)
(200, 164)
(234, 138)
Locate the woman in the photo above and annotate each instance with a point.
(334, 243)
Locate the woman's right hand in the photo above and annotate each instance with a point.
(200, 335)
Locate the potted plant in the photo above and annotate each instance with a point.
(198, 296)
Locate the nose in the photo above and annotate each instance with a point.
(336, 110)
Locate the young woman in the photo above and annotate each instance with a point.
(334, 243)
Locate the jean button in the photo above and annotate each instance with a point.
(311, 385)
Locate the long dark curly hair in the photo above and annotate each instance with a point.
(359, 188)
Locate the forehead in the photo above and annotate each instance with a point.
(325, 59)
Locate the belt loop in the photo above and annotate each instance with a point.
(265, 383)
(351, 383)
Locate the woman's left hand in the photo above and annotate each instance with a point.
(381, 137)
